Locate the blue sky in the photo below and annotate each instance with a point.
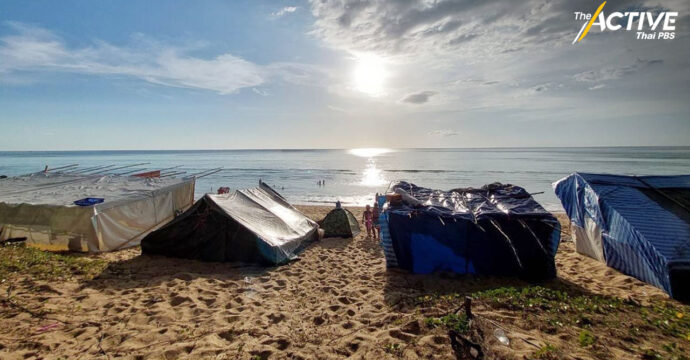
(336, 74)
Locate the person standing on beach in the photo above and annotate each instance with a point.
(368, 220)
(376, 226)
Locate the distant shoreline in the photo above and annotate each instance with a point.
(498, 148)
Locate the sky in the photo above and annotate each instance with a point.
(211, 74)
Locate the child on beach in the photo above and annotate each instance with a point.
(375, 214)
(368, 219)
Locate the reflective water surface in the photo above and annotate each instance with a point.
(353, 176)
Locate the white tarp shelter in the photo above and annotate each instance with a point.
(40, 207)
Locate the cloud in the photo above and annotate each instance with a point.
(419, 98)
(32, 49)
(597, 87)
(336, 108)
(260, 92)
(443, 133)
(543, 88)
(495, 56)
(617, 72)
(284, 11)
(465, 27)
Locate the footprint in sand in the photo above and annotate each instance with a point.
(276, 318)
(265, 354)
(280, 344)
(412, 327)
(348, 325)
(208, 301)
(232, 319)
(226, 335)
(399, 334)
(319, 320)
(177, 300)
(345, 300)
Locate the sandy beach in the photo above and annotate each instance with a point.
(338, 300)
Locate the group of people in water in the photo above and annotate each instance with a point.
(321, 183)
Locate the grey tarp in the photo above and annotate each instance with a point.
(39, 207)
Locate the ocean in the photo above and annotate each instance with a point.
(354, 176)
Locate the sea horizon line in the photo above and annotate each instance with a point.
(345, 149)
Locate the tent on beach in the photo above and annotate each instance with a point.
(639, 225)
(340, 222)
(496, 230)
(95, 213)
(252, 226)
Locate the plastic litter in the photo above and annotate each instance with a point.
(88, 201)
(501, 337)
(47, 328)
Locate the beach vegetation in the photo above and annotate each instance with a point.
(559, 308)
(547, 352)
(457, 322)
(586, 338)
(393, 348)
(19, 259)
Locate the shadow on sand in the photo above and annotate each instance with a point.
(403, 289)
(151, 270)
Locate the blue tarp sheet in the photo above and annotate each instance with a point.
(497, 230)
(644, 223)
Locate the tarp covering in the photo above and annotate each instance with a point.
(254, 226)
(497, 230)
(340, 223)
(40, 207)
(641, 224)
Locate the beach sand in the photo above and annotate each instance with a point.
(338, 300)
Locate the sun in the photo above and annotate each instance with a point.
(370, 74)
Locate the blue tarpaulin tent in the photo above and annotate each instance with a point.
(638, 225)
(496, 230)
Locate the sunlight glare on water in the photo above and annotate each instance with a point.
(371, 175)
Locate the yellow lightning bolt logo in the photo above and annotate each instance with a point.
(585, 27)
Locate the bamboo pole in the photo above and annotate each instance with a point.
(61, 167)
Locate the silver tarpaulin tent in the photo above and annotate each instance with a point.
(252, 225)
